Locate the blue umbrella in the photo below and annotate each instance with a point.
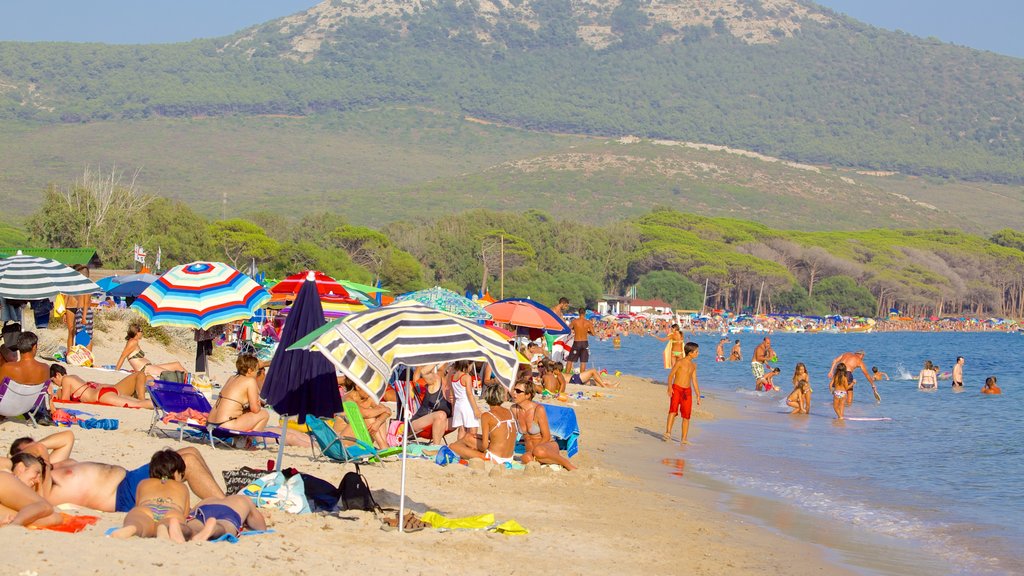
(108, 283)
(301, 382)
(128, 289)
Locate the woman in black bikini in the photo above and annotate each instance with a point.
(533, 423)
(435, 410)
(136, 358)
(239, 406)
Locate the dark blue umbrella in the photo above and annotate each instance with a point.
(132, 289)
(301, 382)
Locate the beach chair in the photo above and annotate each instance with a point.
(332, 447)
(355, 421)
(564, 429)
(22, 400)
(174, 398)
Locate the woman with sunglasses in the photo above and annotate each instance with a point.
(533, 424)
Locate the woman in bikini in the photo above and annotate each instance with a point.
(74, 389)
(532, 421)
(161, 500)
(840, 387)
(497, 442)
(239, 406)
(136, 358)
(928, 379)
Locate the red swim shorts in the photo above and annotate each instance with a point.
(682, 402)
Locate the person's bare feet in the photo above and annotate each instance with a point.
(174, 531)
(123, 533)
(665, 437)
(204, 534)
(162, 533)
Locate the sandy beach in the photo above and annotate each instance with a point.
(608, 517)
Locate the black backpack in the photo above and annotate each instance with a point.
(355, 493)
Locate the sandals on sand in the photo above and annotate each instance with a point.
(412, 523)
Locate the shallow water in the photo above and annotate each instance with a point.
(943, 477)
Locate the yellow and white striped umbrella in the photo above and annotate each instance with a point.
(368, 346)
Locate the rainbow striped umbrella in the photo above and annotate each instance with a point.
(368, 346)
(201, 295)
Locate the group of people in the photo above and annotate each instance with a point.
(39, 475)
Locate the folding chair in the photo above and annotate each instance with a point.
(333, 448)
(22, 400)
(173, 398)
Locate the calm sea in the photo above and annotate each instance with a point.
(943, 478)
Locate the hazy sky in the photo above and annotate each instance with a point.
(986, 24)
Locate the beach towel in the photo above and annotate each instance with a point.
(480, 522)
(56, 401)
(70, 523)
(101, 423)
(190, 415)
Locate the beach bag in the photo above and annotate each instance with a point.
(236, 480)
(175, 376)
(355, 493)
(394, 435)
(79, 356)
(321, 494)
(273, 490)
(59, 306)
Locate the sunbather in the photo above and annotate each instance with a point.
(20, 505)
(376, 416)
(74, 389)
(498, 438)
(533, 423)
(136, 358)
(161, 500)
(239, 406)
(214, 517)
(26, 370)
(435, 408)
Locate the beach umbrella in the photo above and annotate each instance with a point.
(447, 301)
(527, 313)
(35, 278)
(140, 277)
(370, 345)
(364, 288)
(108, 283)
(127, 289)
(301, 382)
(200, 295)
(324, 284)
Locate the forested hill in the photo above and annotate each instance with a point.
(781, 77)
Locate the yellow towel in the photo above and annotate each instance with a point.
(511, 528)
(470, 522)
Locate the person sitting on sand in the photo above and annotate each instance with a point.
(990, 386)
(239, 406)
(74, 389)
(376, 416)
(161, 500)
(532, 421)
(497, 439)
(215, 517)
(840, 387)
(136, 358)
(20, 505)
(435, 408)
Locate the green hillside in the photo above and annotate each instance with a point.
(785, 78)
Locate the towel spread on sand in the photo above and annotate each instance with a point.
(70, 523)
(481, 522)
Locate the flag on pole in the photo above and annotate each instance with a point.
(159, 253)
(140, 254)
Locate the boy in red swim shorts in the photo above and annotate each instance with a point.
(682, 389)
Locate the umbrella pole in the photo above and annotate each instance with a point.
(280, 444)
(405, 448)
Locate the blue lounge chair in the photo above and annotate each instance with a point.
(173, 398)
(22, 399)
(332, 447)
(565, 431)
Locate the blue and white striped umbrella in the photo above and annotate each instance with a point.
(201, 295)
(35, 278)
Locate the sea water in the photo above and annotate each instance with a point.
(943, 478)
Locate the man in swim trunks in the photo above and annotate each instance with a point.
(108, 487)
(958, 373)
(759, 364)
(581, 329)
(682, 389)
(853, 360)
(734, 353)
(214, 517)
(720, 350)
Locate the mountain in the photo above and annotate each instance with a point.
(783, 78)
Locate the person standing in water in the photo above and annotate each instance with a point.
(958, 373)
(852, 361)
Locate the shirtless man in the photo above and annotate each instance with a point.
(958, 373)
(581, 329)
(877, 374)
(735, 354)
(108, 487)
(26, 370)
(561, 308)
(675, 335)
(682, 390)
(720, 350)
(853, 360)
(759, 364)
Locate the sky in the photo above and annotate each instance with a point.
(984, 24)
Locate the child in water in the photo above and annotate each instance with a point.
(840, 387)
(990, 386)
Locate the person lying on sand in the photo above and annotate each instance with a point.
(108, 487)
(136, 358)
(20, 505)
(161, 500)
(74, 389)
(214, 517)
